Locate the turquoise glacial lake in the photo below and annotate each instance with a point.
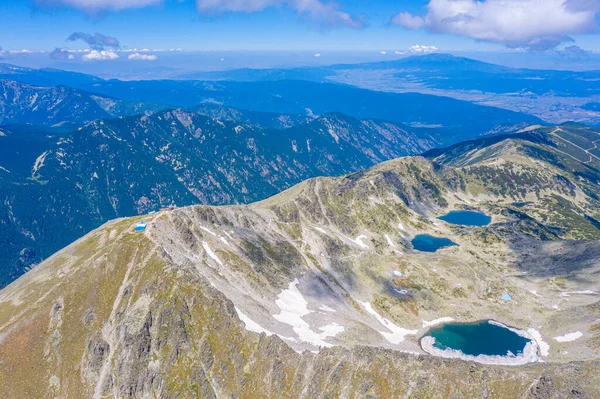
(467, 218)
(427, 243)
(475, 339)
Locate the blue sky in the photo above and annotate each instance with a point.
(210, 24)
(175, 24)
(299, 25)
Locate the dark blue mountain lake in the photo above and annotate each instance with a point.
(521, 204)
(427, 243)
(487, 341)
(467, 218)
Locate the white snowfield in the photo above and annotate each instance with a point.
(359, 241)
(397, 334)
(537, 337)
(389, 240)
(437, 321)
(293, 307)
(251, 325)
(569, 337)
(320, 230)
(586, 292)
(326, 308)
(210, 253)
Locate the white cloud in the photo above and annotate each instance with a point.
(24, 51)
(531, 24)
(61, 54)
(383, 52)
(317, 55)
(100, 55)
(142, 57)
(93, 6)
(326, 14)
(408, 21)
(418, 49)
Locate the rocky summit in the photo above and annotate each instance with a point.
(317, 291)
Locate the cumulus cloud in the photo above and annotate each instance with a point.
(61, 54)
(142, 57)
(419, 49)
(97, 41)
(24, 51)
(574, 53)
(408, 20)
(100, 55)
(529, 24)
(327, 14)
(94, 6)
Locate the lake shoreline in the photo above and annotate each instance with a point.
(529, 354)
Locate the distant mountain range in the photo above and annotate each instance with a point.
(46, 76)
(22, 103)
(57, 186)
(553, 95)
(142, 145)
(294, 97)
(439, 71)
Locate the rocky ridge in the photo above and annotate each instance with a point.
(317, 291)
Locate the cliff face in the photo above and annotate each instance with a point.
(316, 292)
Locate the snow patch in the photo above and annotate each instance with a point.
(293, 307)
(208, 230)
(211, 253)
(389, 240)
(227, 234)
(528, 355)
(586, 292)
(537, 337)
(39, 162)
(359, 241)
(251, 325)
(437, 321)
(397, 334)
(398, 273)
(326, 308)
(569, 337)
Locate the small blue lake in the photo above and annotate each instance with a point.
(427, 243)
(476, 339)
(467, 218)
(521, 204)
